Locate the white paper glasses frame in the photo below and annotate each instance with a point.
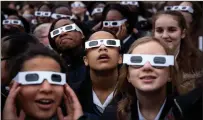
(77, 4)
(42, 13)
(99, 42)
(65, 28)
(114, 23)
(155, 60)
(97, 10)
(129, 3)
(57, 16)
(37, 77)
(14, 22)
(179, 8)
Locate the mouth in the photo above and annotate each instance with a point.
(103, 57)
(45, 104)
(62, 40)
(169, 41)
(148, 78)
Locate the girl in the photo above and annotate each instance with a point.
(144, 83)
(170, 28)
(39, 85)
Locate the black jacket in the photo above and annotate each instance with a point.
(186, 107)
(85, 97)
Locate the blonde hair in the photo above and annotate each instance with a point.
(127, 91)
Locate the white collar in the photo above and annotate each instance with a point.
(97, 102)
(157, 116)
(126, 39)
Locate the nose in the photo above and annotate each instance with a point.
(63, 34)
(102, 47)
(147, 66)
(46, 87)
(165, 34)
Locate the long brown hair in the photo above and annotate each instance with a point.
(189, 57)
(127, 91)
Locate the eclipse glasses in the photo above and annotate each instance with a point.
(37, 77)
(65, 28)
(114, 23)
(179, 8)
(99, 42)
(138, 60)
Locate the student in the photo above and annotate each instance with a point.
(170, 27)
(39, 86)
(69, 43)
(43, 14)
(145, 77)
(18, 22)
(61, 11)
(192, 12)
(119, 20)
(103, 56)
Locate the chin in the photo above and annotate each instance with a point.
(44, 115)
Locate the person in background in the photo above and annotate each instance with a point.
(96, 9)
(118, 19)
(170, 28)
(193, 15)
(41, 32)
(15, 21)
(67, 37)
(43, 14)
(61, 11)
(79, 9)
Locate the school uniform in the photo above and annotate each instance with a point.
(90, 103)
(187, 107)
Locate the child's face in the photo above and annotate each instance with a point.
(40, 101)
(147, 78)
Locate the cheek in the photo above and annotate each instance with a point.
(132, 75)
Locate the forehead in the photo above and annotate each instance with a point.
(114, 15)
(13, 17)
(99, 5)
(63, 10)
(44, 8)
(166, 20)
(62, 22)
(151, 47)
(41, 63)
(186, 4)
(101, 35)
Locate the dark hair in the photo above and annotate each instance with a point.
(58, 6)
(33, 51)
(14, 45)
(125, 12)
(50, 6)
(86, 31)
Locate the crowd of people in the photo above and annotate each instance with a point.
(122, 60)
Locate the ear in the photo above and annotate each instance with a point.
(85, 60)
(120, 61)
(183, 34)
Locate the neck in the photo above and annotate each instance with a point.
(104, 80)
(151, 102)
(72, 52)
(176, 51)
